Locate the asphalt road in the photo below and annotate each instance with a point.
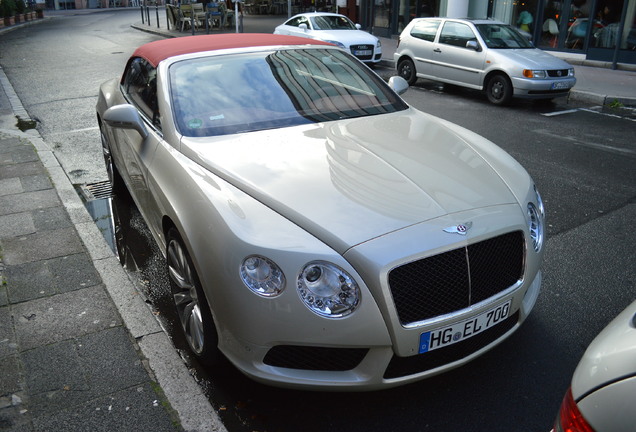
(581, 158)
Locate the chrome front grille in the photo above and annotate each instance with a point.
(457, 279)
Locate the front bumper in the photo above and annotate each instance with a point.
(542, 88)
(379, 345)
(373, 368)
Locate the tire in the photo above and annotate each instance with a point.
(114, 178)
(194, 315)
(406, 69)
(499, 90)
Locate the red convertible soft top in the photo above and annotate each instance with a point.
(160, 50)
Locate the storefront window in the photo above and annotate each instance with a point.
(552, 16)
(410, 9)
(578, 24)
(607, 23)
(520, 14)
(382, 17)
(628, 40)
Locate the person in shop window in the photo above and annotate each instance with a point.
(525, 21)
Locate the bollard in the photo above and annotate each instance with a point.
(157, 12)
(141, 7)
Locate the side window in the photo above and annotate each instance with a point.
(425, 30)
(456, 34)
(140, 85)
(294, 22)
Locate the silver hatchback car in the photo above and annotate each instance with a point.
(481, 54)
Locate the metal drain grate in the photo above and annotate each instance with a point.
(93, 191)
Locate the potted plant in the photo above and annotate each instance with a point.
(20, 8)
(7, 10)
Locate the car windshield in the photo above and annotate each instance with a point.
(502, 36)
(332, 22)
(220, 95)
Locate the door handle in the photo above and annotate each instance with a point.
(437, 50)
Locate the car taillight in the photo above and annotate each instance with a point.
(570, 418)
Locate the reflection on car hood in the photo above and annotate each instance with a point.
(532, 58)
(353, 180)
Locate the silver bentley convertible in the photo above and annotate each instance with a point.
(319, 232)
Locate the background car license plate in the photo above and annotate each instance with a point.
(458, 332)
(363, 53)
(560, 85)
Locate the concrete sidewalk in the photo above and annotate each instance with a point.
(79, 348)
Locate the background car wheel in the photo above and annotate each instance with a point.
(499, 90)
(192, 308)
(116, 182)
(406, 69)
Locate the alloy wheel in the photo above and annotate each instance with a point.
(185, 297)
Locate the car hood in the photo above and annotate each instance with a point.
(532, 58)
(347, 37)
(352, 180)
(610, 356)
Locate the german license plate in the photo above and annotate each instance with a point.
(458, 332)
(561, 85)
(359, 53)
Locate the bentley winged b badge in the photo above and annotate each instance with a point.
(460, 229)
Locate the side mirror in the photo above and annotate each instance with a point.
(358, 26)
(303, 27)
(471, 44)
(125, 117)
(398, 84)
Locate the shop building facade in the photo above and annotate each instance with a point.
(601, 29)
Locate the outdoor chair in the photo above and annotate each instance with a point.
(173, 15)
(228, 14)
(215, 16)
(186, 12)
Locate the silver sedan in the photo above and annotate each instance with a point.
(318, 231)
(481, 54)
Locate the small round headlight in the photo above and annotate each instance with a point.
(328, 290)
(535, 226)
(262, 276)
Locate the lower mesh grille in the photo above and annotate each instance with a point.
(315, 358)
(404, 366)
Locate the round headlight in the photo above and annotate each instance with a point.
(328, 290)
(262, 276)
(535, 226)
